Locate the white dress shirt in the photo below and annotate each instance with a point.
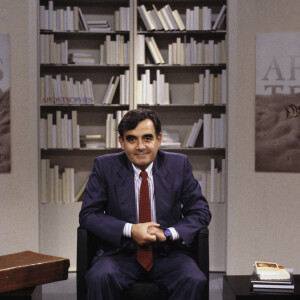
(137, 185)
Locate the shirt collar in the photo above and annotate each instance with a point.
(137, 171)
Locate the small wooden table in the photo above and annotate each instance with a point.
(238, 287)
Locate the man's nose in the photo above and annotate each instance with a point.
(141, 145)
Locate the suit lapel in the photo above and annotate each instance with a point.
(163, 187)
(125, 191)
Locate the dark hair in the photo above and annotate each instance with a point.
(135, 116)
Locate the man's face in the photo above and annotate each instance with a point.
(141, 144)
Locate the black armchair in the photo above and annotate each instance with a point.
(88, 243)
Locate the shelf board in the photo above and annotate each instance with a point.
(198, 2)
(213, 152)
(206, 33)
(82, 34)
(185, 68)
(83, 108)
(54, 68)
(187, 108)
(86, 2)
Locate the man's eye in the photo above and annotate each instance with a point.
(131, 139)
(148, 138)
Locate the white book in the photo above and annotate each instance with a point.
(224, 87)
(45, 164)
(75, 134)
(50, 131)
(171, 17)
(154, 16)
(55, 183)
(155, 53)
(141, 49)
(71, 184)
(219, 18)
(196, 18)
(212, 180)
(82, 20)
(42, 17)
(195, 133)
(112, 94)
(108, 90)
(50, 181)
(50, 20)
(207, 130)
(161, 18)
(145, 17)
(58, 130)
(167, 20)
(207, 86)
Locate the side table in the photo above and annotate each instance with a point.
(238, 287)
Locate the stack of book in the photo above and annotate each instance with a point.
(81, 59)
(98, 26)
(269, 277)
(92, 141)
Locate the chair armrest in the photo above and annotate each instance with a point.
(200, 250)
(87, 246)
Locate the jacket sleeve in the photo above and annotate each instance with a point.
(92, 215)
(194, 207)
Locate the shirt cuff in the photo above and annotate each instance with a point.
(175, 234)
(127, 230)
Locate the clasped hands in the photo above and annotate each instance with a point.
(147, 233)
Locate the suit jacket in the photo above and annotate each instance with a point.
(109, 200)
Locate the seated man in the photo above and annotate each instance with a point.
(147, 206)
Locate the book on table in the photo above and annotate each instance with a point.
(271, 278)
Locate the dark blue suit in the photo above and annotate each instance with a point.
(109, 203)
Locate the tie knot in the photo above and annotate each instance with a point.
(143, 174)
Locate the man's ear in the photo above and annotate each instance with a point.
(159, 138)
(121, 142)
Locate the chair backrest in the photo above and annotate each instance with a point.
(88, 244)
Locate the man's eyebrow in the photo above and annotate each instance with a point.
(130, 136)
(149, 135)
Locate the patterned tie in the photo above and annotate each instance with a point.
(144, 253)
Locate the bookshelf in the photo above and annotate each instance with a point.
(179, 112)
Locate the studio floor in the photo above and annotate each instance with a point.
(66, 290)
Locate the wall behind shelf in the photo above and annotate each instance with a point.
(263, 208)
(19, 217)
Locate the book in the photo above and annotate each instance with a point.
(271, 271)
(220, 18)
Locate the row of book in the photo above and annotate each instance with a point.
(112, 122)
(60, 131)
(193, 52)
(72, 19)
(52, 52)
(208, 132)
(56, 186)
(199, 18)
(271, 278)
(55, 90)
(213, 183)
(114, 52)
(120, 82)
(211, 88)
(152, 92)
(182, 52)
(167, 19)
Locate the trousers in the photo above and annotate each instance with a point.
(177, 272)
